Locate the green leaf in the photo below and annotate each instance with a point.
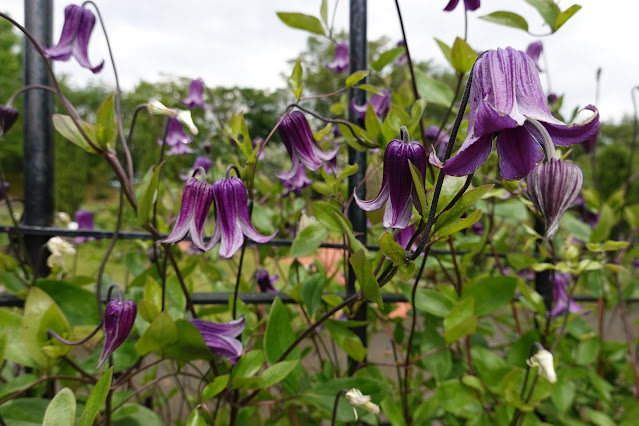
(387, 57)
(446, 50)
(4, 339)
(134, 414)
(279, 335)
(327, 213)
(563, 392)
(312, 289)
(96, 399)
(456, 398)
(307, 241)
(195, 418)
(439, 363)
(301, 21)
(461, 206)
(520, 261)
(241, 134)
(534, 299)
(249, 365)
(490, 293)
(406, 271)
(462, 56)
(347, 340)
(547, 9)
(508, 19)
(369, 88)
(190, 344)
(278, 372)
(11, 326)
(392, 250)
(599, 418)
(565, 16)
(61, 409)
(295, 80)
(604, 226)
(77, 304)
(460, 224)
(106, 127)
(393, 411)
(324, 11)
(24, 411)
(161, 333)
(373, 125)
(357, 76)
(147, 193)
(433, 302)
(433, 90)
(366, 277)
(418, 185)
(65, 126)
(460, 321)
(450, 187)
(212, 389)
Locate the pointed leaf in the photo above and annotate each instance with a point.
(366, 277)
(278, 372)
(387, 57)
(419, 186)
(147, 193)
(295, 80)
(106, 127)
(462, 56)
(446, 50)
(547, 9)
(212, 389)
(433, 90)
(356, 77)
(565, 15)
(307, 241)
(324, 11)
(61, 409)
(508, 19)
(302, 21)
(392, 250)
(66, 127)
(96, 399)
(461, 206)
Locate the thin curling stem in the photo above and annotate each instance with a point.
(74, 342)
(546, 140)
(30, 87)
(229, 169)
(403, 132)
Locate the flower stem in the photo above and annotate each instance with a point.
(335, 404)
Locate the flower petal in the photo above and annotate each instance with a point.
(81, 43)
(63, 50)
(187, 209)
(377, 202)
(472, 155)
(243, 215)
(568, 134)
(489, 120)
(518, 153)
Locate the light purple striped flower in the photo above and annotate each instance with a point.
(177, 139)
(221, 338)
(468, 4)
(298, 181)
(118, 322)
(74, 41)
(380, 103)
(194, 99)
(340, 63)
(562, 302)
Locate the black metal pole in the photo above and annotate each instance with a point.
(358, 61)
(38, 132)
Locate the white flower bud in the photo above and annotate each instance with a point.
(184, 117)
(158, 108)
(357, 399)
(58, 248)
(543, 359)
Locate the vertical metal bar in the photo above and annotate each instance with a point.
(38, 132)
(358, 61)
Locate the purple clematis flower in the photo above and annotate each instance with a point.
(296, 183)
(177, 139)
(397, 182)
(8, 117)
(403, 237)
(265, 281)
(196, 202)
(297, 137)
(468, 4)
(232, 220)
(380, 104)
(194, 99)
(562, 302)
(221, 338)
(202, 162)
(534, 50)
(74, 41)
(84, 219)
(505, 98)
(118, 322)
(340, 63)
(553, 187)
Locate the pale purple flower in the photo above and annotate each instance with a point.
(468, 4)
(553, 187)
(380, 103)
(8, 117)
(232, 220)
(196, 202)
(221, 338)
(438, 139)
(403, 237)
(297, 137)
(177, 139)
(74, 41)
(194, 99)
(340, 63)
(534, 50)
(397, 182)
(265, 281)
(297, 182)
(84, 219)
(202, 162)
(118, 322)
(562, 302)
(506, 95)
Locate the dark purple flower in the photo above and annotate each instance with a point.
(397, 182)
(177, 138)
(84, 219)
(340, 63)
(562, 302)
(232, 220)
(552, 98)
(8, 117)
(204, 162)
(438, 139)
(74, 41)
(297, 182)
(194, 99)
(534, 50)
(403, 237)
(196, 202)
(404, 58)
(297, 137)
(469, 4)
(265, 281)
(553, 187)
(118, 321)
(506, 96)
(380, 103)
(221, 338)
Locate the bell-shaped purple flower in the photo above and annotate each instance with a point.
(397, 182)
(232, 220)
(265, 281)
(469, 4)
(297, 182)
(553, 187)
(380, 103)
(196, 202)
(74, 41)
(534, 50)
(8, 117)
(297, 137)
(118, 321)
(562, 302)
(194, 99)
(340, 63)
(221, 338)
(177, 139)
(84, 219)
(506, 95)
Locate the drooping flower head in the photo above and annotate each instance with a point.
(506, 95)
(84, 220)
(194, 99)
(8, 117)
(397, 182)
(265, 281)
(468, 4)
(544, 360)
(380, 103)
(357, 399)
(562, 302)
(182, 115)
(118, 322)
(221, 338)
(340, 63)
(534, 50)
(297, 137)
(297, 182)
(74, 41)
(177, 139)
(58, 249)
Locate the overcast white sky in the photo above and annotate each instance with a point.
(242, 42)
